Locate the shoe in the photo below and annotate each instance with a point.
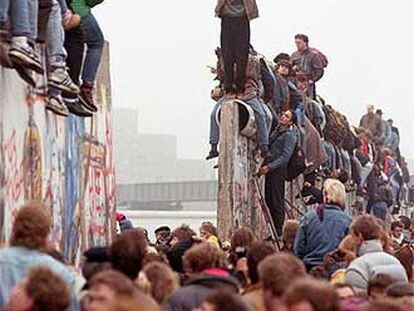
(25, 74)
(87, 97)
(70, 20)
(75, 107)
(60, 79)
(56, 105)
(212, 154)
(26, 58)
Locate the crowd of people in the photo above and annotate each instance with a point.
(328, 262)
(66, 28)
(297, 131)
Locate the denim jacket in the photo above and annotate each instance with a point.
(282, 143)
(316, 237)
(15, 263)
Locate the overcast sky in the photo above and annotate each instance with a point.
(160, 50)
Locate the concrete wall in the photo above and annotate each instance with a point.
(238, 203)
(67, 163)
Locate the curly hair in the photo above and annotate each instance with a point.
(116, 281)
(203, 256)
(31, 226)
(128, 251)
(163, 281)
(47, 290)
(183, 232)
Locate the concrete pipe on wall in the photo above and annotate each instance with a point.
(247, 125)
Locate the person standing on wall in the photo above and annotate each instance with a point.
(282, 144)
(309, 62)
(235, 39)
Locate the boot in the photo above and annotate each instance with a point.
(213, 152)
(87, 97)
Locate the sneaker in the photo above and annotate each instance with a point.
(25, 74)
(56, 105)
(87, 97)
(26, 58)
(75, 107)
(60, 79)
(70, 20)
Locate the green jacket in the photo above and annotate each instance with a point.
(81, 8)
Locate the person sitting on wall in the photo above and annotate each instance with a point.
(251, 96)
(282, 144)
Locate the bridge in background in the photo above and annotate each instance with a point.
(167, 194)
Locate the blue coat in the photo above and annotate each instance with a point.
(316, 237)
(282, 143)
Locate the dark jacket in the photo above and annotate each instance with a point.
(282, 143)
(319, 235)
(250, 6)
(310, 64)
(384, 194)
(196, 290)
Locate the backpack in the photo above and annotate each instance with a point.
(321, 56)
(296, 165)
(332, 131)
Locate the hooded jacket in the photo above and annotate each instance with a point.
(196, 290)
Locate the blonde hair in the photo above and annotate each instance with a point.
(334, 192)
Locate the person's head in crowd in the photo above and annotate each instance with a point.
(133, 304)
(181, 233)
(281, 57)
(337, 260)
(258, 251)
(344, 291)
(341, 175)
(319, 273)
(163, 235)
(31, 227)
(379, 112)
(284, 68)
(385, 305)
(287, 118)
(397, 228)
(334, 193)
(123, 222)
(109, 287)
(405, 255)
(127, 252)
(95, 260)
(302, 42)
(207, 229)
(400, 289)
(365, 228)
(348, 244)
(223, 301)
(390, 122)
(311, 295)
(41, 290)
(158, 280)
(203, 256)
(154, 257)
(276, 273)
(290, 230)
(240, 243)
(378, 284)
(406, 222)
(370, 108)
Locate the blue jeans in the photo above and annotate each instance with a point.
(379, 210)
(55, 37)
(63, 6)
(94, 40)
(260, 118)
(19, 16)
